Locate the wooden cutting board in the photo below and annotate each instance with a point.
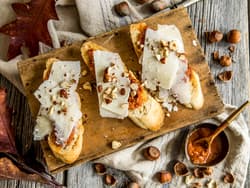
(100, 132)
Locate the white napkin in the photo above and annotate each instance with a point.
(80, 19)
(171, 146)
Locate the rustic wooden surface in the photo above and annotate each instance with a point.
(205, 15)
(100, 132)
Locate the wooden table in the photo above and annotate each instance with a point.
(206, 15)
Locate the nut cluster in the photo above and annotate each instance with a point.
(233, 36)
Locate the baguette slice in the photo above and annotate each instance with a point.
(70, 151)
(149, 114)
(137, 33)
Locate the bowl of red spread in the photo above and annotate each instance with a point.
(202, 156)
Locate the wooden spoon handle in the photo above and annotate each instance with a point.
(228, 120)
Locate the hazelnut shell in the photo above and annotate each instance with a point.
(225, 60)
(110, 180)
(228, 178)
(225, 76)
(180, 169)
(199, 173)
(100, 169)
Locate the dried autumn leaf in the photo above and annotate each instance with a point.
(30, 26)
(7, 141)
(12, 164)
(8, 170)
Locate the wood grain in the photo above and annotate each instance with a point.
(205, 15)
(100, 132)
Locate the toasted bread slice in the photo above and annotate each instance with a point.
(149, 114)
(137, 34)
(71, 151)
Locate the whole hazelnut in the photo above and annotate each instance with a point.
(215, 36)
(225, 60)
(233, 36)
(158, 5)
(216, 55)
(151, 153)
(122, 9)
(164, 176)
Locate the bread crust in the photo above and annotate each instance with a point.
(197, 99)
(71, 151)
(153, 118)
(135, 31)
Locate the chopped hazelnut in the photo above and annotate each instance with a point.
(225, 76)
(122, 9)
(63, 93)
(231, 48)
(108, 100)
(122, 91)
(215, 36)
(108, 91)
(87, 86)
(116, 144)
(133, 93)
(172, 45)
(151, 153)
(196, 185)
(189, 179)
(212, 184)
(164, 176)
(207, 170)
(225, 60)
(84, 72)
(234, 36)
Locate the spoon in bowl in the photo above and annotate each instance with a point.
(206, 142)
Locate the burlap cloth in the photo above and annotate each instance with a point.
(80, 19)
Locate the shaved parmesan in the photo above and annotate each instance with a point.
(153, 71)
(169, 75)
(60, 105)
(117, 105)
